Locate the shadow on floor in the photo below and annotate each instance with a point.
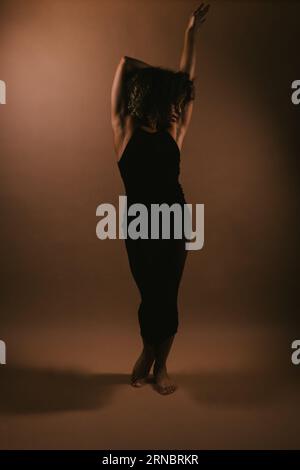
(26, 390)
(240, 388)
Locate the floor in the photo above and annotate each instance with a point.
(66, 386)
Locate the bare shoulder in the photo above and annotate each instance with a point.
(122, 134)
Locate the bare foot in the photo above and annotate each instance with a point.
(141, 369)
(163, 383)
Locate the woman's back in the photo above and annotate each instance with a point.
(150, 168)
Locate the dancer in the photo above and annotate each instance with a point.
(151, 108)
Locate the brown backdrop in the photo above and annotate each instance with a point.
(240, 158)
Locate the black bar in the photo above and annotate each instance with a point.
(97, 458)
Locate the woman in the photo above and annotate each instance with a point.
(151, 108)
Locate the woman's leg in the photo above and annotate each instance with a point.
(143, 365)
(140, 263)
(163, 382)
(172, 278)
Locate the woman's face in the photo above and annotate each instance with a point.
(175, 115)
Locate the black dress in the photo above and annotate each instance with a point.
(150, 167)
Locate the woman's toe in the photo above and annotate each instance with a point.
(138, 382)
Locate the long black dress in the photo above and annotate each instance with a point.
(150, 167)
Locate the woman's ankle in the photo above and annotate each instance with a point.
(159, 367)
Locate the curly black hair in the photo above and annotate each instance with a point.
(153, 91)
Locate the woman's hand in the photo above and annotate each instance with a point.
(198, 17)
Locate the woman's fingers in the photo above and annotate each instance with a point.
(197, 9)
(201, 14)
(198, 16)
(202, 8)
(203, 11)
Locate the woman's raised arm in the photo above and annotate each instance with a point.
(188, 62)
(188, 56)
(118, 91)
